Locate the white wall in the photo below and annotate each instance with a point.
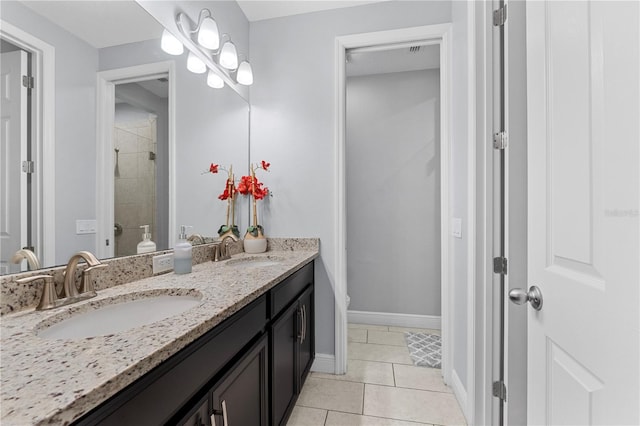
(292, 123)
(75, 116)
(459, 191)
(393, 192)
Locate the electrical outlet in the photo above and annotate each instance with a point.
(162, 263)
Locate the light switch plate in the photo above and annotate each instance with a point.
(162, 263)
(86, 226)
(456, 227)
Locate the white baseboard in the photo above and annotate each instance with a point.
(324, 363)
(394, 320)
(461, 394)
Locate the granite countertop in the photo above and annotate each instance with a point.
(57, 381)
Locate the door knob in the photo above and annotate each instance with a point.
(520, 296)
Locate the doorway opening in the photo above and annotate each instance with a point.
(28, 160)
(140, 142)
(132, 102)
(393, 204)
(434, 35)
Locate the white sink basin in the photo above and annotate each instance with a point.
(256, 261)
(118, 316)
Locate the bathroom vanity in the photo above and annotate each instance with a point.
(223, 377)
(239, 357)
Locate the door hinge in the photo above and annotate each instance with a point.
(500, 16)
(500, 140)
(500, 265)
(28, 167)
(27, 81)
(500, 390)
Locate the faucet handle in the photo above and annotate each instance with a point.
(87, 284)
(49, 296)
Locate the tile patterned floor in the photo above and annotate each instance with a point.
(381, 388)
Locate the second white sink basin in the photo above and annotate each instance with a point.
(119, 316)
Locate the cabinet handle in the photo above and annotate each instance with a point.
(224, 413)
(304, 323)
(300, 329)
(218, 412)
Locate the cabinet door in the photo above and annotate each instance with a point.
(241, 397)
(200, 417)
(284, 334)
(306, 352)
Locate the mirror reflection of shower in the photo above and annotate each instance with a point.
(140, 137)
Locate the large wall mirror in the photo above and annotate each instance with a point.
(147, 159)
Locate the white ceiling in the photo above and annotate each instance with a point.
(392, 60)
(100, 23)
(257, 10)
(111, 23)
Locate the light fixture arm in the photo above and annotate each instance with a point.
(204, 13)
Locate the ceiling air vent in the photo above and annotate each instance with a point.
(414, 49)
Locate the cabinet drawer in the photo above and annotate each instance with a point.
(154, 398)
(288, 290)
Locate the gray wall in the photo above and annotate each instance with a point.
(292, 122)
(393, 192)
(459, 192)
(75, 117)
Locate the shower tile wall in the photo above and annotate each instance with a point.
(135, 182)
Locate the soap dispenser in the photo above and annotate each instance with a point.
(182, 253)
(146, 245)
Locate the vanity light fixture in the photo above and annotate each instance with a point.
(244, 75)
(195, 64)
(229, 56)
(214, 80)
(170, 44)
(205, 46)
(208, 35)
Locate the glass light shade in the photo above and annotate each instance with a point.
(214, 80)
(208, 35)
(245, 74)
(195, 64)
(229, 56)
(170, 44)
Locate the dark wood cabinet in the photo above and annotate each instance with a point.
(199, 416)
(307, 350)
(241, 397)
(292, 352)
(284, 390)
(251, 368)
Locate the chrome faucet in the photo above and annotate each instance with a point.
(32, 259)
(87, 290)
(69, 294)
(195, 239)
(49, 298)
(221, 249)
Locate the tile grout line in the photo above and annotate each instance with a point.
(393, 370)
(363, 394)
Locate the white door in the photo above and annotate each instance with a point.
(583, 89)
(13, 150)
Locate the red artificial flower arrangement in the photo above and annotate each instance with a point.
(250, 185)
(229, 194)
